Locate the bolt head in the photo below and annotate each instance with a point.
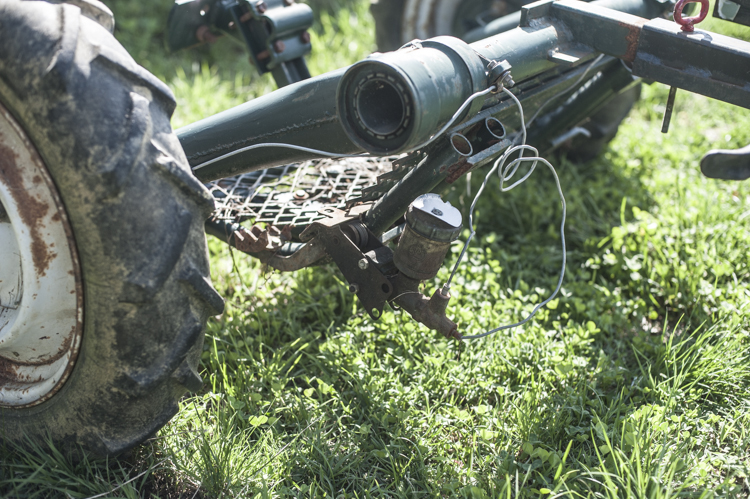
(353, 288)
(507, 80)
(499, 73)
(261, 7)
(500, 66)
(278, 46)
(363, 264)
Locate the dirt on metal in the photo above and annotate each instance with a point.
(634, 33)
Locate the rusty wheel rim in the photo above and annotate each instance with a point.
(41, 295)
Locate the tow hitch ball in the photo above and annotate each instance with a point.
(378, 274)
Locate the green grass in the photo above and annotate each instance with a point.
(635, 382)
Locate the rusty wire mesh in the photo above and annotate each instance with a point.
(293, 194)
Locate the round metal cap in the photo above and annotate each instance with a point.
(433, 218)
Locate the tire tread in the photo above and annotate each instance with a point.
(144, 323)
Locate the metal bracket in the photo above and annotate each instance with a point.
(534, 10)
(358, 253)
(570, 54)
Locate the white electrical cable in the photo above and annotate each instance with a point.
(539, 110)
(506, 173)
(282, 145)
(454, 118)
(337, 155)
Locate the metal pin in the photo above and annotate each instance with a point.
(668, 110)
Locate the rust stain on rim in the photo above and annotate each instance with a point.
(34, 210)
(32, 214)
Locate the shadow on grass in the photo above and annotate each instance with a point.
(349, 365)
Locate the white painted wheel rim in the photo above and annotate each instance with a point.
(41, 295)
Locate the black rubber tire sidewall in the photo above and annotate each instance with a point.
(101, 124)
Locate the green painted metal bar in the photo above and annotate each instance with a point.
(303, 113)
(527, 47)
(639, 8)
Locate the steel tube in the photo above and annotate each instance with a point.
(647, 9)
(492, 28)
(390, 103)
(527, 48)
(303, 114)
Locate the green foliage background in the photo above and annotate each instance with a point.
(635, 382)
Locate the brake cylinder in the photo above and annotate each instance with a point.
(431, 225)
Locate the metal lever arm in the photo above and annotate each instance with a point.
(727, 164)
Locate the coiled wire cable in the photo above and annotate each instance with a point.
(507, 172)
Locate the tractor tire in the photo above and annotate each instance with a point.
(399, 21)
(134, 214)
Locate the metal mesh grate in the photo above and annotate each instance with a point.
(293, 194)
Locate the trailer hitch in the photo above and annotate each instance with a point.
(377, 274)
